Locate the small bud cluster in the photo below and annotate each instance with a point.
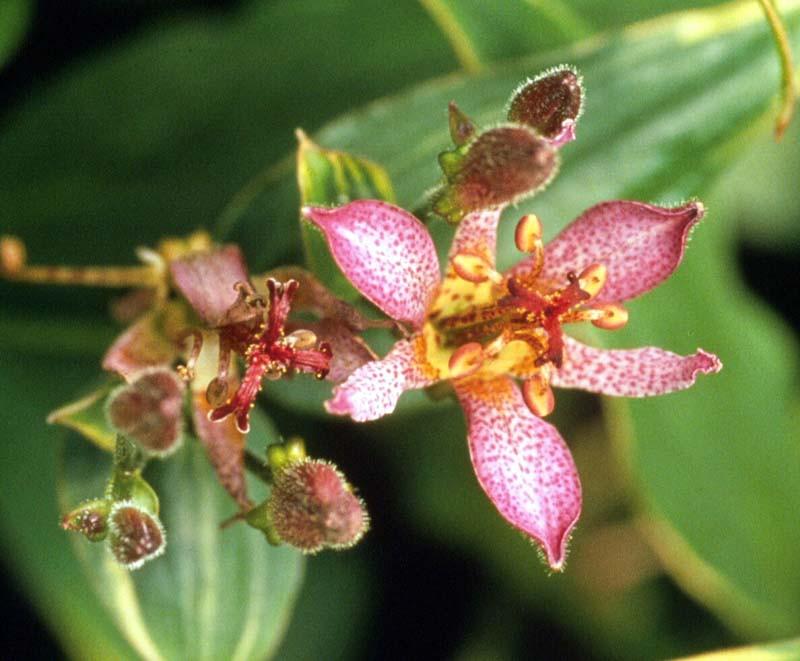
(503, 164)
(126, 518)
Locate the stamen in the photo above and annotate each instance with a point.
(466, 360)
(186, 372)
(613, 317)
(592, 279)
(538, 395)
(528, 233)
(528, 237)
(474, 268)
(300, 339)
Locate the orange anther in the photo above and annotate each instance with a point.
(528, 235)
(614, 317)
(466, 360)
(474, 268)
(538, 395)
(592, 279)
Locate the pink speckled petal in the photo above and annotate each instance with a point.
(640, 245)
(523, 464)
(372, 391)
(632, 372)
(477, 234)
(207, 279)
(385, 252)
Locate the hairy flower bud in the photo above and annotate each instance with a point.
(150, 411)
(313, 507)
(549, 103)
(89, 518)
(501, 166)
(134, 534)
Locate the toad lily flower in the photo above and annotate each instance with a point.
(480, 330)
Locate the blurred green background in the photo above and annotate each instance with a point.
(123, 121)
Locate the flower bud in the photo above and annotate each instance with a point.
(313, 507)
(134, 534)
(550, 103)
(150, 411)
(501, 166)
(89, 518)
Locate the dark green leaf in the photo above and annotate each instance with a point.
(15, 17)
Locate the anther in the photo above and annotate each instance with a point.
(466, 360)
(528, 234)
(538, 395)
(592, 279)
(300, 339)
(474, 268)
(613, 317)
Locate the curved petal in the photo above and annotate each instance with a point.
(631, 372)
(523, 464)
(350, 351)
(640, 244)
(207, 279)
(477, 234)
(385, 252)
(140, 346)
(372, 391)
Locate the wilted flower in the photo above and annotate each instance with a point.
(481, 329)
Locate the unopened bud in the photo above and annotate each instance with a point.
(550, 103)
(150, 411)
(501, 166)
(89, 518)
(134, 534)
(313, 507)
(280, 455)
(12, 255)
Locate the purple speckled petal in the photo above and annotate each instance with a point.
(477, 234)
(631, 372)
(372, 391)
(140, 346)
(640, 244)
(522, 463)
(385, 252)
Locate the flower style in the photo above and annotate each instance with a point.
(481, 329)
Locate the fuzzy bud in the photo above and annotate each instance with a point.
(501, 166)
(313, 507)
(134, 534)
(550, 103)
(89, 518)
(150, 411)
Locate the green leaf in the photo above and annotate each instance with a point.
(785, 650)
(214, 594)
(15, 17)
(87, 416)
(330, 178)
(717, 466)
(481, 33)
